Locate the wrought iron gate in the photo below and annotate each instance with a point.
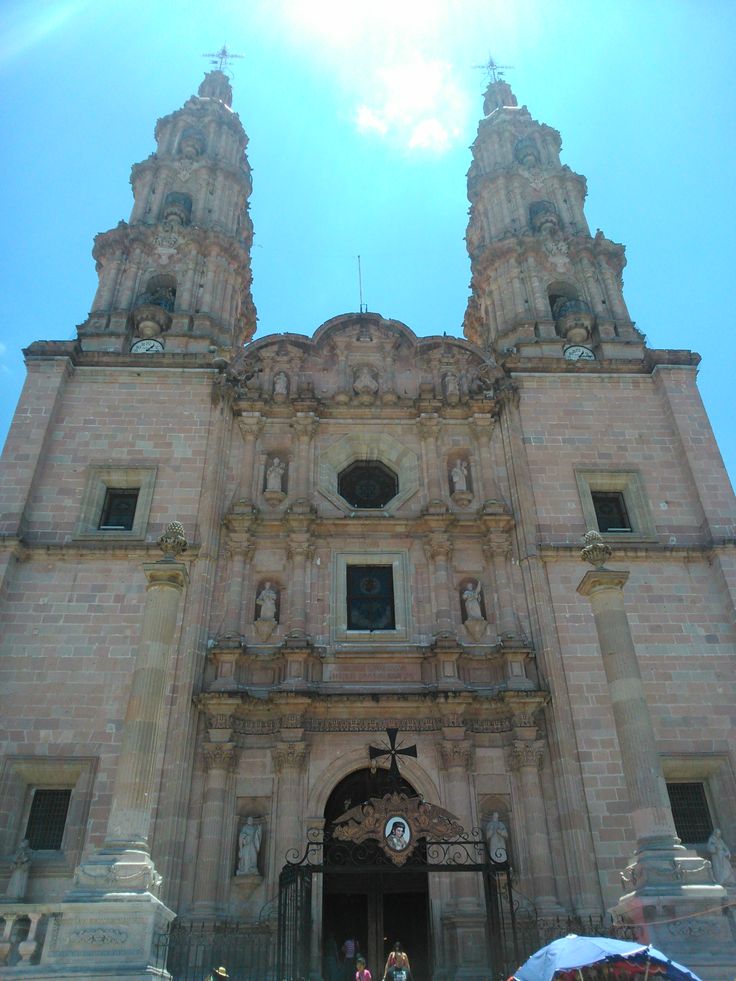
(464, 854)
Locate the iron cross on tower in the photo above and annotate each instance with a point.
(494, 71)
(393, 752)
(219, 59)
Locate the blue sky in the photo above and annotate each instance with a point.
(360, 116)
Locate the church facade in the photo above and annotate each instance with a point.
(379, 550)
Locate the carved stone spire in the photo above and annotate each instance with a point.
(177, 275)
(541, 283)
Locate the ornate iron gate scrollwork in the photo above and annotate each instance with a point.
(326, 852)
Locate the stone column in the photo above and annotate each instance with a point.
(289, 764)
(525, 759)
(437, 489)
(250, 425)
(438, 550)
(125, 853)
(219, 758)
(304, 426)
(498, 553)
(668, 884)
(651, 813)
(463, 917)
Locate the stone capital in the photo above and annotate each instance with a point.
(602, 580)
(219, 756)
(305, 425)
(438, 547)
(455, 753)
(166, 573)
(526, 755)
(290, 756)
(429, 424)
(250, 424)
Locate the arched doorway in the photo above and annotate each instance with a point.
(363, 902)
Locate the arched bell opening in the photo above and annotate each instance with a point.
(365, 898)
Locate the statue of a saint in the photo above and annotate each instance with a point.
(19, 869)
(496, 835)
(720, 860)
(281, 384)
(274, 475)
(266, 600)
(451, 386)
(249, 843)
(364, 382)
(472, 597)
(459, 476)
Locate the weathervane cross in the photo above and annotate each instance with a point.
(494, 71)
(393, 752)
(221, 58)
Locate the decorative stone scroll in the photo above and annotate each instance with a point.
(396, 822)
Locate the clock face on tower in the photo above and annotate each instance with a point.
(148, 345)
(576, 352)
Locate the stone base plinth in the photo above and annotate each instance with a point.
(695, 927)
(119, 935)
(464, 926)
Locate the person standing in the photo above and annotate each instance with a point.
(362, 973)
(350, 951)
(397, 965)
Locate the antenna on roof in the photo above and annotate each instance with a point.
(363, 306)
(219, 59)
(494, 71)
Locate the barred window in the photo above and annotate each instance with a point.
(47, 818)
(690, 810)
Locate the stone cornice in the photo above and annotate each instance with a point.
(134, 550)
(644, 551)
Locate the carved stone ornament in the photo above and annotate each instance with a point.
(595, 550)
(173, 541)
(396, 822)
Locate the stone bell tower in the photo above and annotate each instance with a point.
(176, 277)
(542, 285)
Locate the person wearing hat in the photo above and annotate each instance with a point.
(218, 974)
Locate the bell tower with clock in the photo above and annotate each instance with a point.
(542, 285)
(176, 277)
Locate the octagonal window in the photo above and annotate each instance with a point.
(368, 484)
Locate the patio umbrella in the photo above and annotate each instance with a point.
(568, 957)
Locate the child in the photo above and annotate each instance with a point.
(362, 973)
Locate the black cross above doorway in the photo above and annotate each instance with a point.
(393, 752)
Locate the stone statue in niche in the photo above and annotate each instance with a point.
(266, 602)
(280, 386)
(365, 384)
(475, 622)
(496, 836)
(274, 492)
(249, 845)
(20, 867)
(451, 387)
(461, 493)
(720, 860)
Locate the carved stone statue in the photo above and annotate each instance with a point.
(249, 844)
(451, 387)
(475, 622)
(364, 382)
(496, 835)
(266, 600)
(459, 476)
(280, 385)
(274, 475)
(472, 597)
(20, 868)
(720, 860)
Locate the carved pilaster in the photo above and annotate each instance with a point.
(219, 756)
(290, 756)
(455, 753)
(526, 755)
